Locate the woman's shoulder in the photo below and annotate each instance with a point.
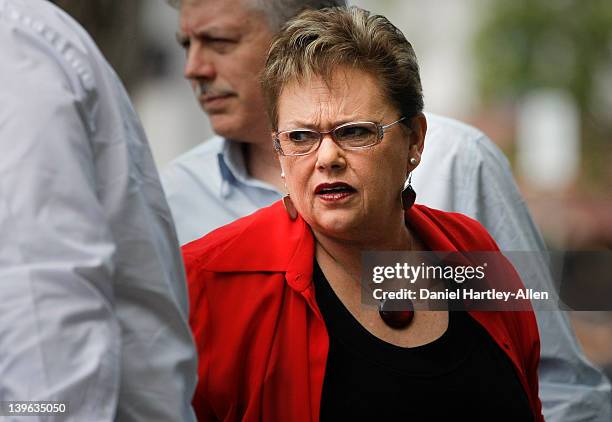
(210, 244)
(464, 232)
(267, 234)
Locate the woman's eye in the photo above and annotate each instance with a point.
(302, 136)
(353, 132)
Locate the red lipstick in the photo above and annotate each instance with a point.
(336, 191)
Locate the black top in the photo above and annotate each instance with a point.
(463, 375)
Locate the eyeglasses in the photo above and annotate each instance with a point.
(348, 136)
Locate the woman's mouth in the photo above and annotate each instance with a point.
(336, 191)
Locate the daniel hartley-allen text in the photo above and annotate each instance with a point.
(465, 294)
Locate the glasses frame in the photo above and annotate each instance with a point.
(380, 134)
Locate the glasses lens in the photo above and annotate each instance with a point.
(299, 141)
(355, 135)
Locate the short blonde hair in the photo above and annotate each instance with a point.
(317, 42)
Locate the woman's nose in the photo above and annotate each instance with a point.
(329, 155)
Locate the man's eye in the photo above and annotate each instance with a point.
(183, 41)
(221, 45)
(220, 42)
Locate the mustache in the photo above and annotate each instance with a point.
(206, 88)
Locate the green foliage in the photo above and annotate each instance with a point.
(563, 44)
(526, 44)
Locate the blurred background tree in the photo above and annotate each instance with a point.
(524, 45)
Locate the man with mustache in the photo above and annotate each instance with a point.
(236, 173)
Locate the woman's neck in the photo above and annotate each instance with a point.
(347, 253)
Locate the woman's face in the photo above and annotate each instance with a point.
(365, 184)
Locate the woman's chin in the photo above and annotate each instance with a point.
(337, 223)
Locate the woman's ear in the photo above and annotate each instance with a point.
(418, 126)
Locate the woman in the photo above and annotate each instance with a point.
(275, 299)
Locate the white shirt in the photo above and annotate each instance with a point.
(462, 171)
(93, 302)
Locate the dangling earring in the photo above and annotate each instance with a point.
(408, 194)
(287, 202)
(289, 207)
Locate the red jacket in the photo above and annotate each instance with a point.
(261, 340)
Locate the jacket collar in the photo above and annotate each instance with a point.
(420, 219)
(269, 241)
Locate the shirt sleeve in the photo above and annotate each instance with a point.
(59, 335)
(571, 389)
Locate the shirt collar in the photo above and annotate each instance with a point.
(232, 169)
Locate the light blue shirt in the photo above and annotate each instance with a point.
(93, 300)
(461, 171)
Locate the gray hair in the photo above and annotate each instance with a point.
(278, 12)
(318, 42)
